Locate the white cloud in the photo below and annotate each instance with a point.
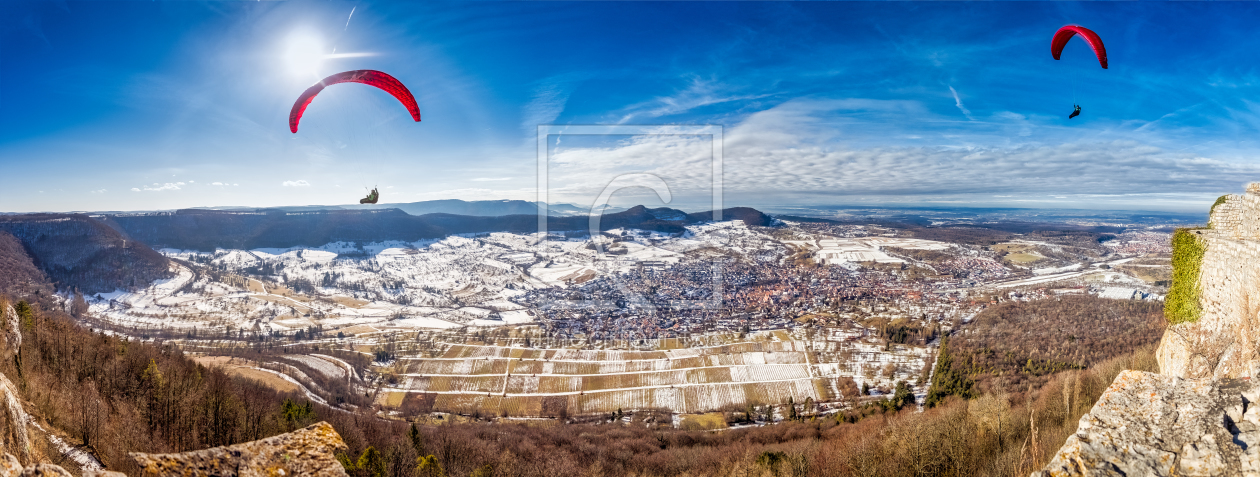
(99, 191)
(491, 179)
(156, 187)
(297, 183)
(837, 151)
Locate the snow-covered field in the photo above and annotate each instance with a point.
(430, 284)
(835, 251)
(765, 370)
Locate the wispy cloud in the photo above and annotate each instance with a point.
(698, 93)
(297, 183)
(798, 152)
(958, 102)
(491, 179)
(32, 24)
(547, 101)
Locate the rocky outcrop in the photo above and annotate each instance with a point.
(1153, 424)
(1222, 339)
(1199, 417)
(10, 467)
(310, 451)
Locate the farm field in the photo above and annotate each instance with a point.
(525, 382)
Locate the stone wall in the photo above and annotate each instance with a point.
(1225, 341)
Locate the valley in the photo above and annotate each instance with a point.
(716, 317)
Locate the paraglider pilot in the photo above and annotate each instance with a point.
(371, 198)
(1076, 111)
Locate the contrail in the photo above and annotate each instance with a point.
(958, 102)
(349, 17)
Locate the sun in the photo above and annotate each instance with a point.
(303, 55)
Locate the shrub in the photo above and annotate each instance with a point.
(1219, 200)
(1182, 303)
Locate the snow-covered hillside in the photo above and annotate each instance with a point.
(455, 281)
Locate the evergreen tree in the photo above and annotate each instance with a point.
(372, 462)
(947, 381)
(902, 397)
(417, 439)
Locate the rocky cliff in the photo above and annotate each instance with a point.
(26, 438)
(1155, 424)
(310, 451)
(1199, 416)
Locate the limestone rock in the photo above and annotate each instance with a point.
(309, 451)
(11, 335)
(40, 470)
(14, 436)
(10, 467)
(1225, 341)
(1153, 424)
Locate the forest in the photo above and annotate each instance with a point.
(1022, 343)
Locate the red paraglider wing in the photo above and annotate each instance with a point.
(1064, 34)
(367, 77)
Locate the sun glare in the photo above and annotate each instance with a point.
(303, 55)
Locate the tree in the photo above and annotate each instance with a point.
(902, 396)
(297, 415)
(428, 466)
(947, 381)
(78, 306)
(26, 314)
(417, 439)
(371, 462)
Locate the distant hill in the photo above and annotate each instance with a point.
(196, 229)
(18, 274)
(77, 252)
(478, 208)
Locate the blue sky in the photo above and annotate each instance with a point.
(161, 105)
